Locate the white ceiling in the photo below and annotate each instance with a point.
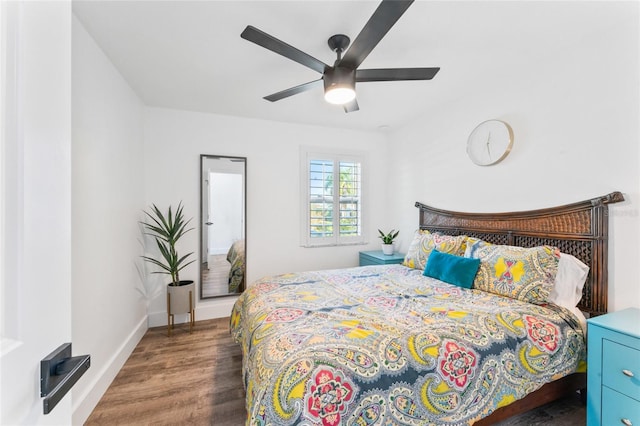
(188, 55)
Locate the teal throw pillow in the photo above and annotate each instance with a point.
(456, 270)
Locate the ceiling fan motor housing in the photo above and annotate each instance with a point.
(339, 77)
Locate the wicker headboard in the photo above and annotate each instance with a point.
(579, 229)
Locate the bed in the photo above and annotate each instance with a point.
(236, 257)
(388, 345)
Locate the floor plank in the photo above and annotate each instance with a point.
(215, 276)
(196, 379)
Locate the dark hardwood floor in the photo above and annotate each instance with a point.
(196, 379)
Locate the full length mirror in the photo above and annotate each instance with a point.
(222, 225)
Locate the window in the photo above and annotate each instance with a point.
(332, 198)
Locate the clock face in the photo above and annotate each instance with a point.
(490, 142)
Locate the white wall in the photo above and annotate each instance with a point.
(575, 118)
(174, 141)
(225, 193)
(109, 304)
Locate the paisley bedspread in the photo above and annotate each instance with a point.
(385, 345)
(235, 256)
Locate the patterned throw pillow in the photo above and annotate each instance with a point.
(424, 242)
(474, 244)
(526, 274)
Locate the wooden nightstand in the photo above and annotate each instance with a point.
(613, 369)
(376, 257)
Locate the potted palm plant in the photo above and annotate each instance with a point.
(387, 240)
(167, 229)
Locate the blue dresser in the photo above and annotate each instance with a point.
(376, 257)
(613, 369)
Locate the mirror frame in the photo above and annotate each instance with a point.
(204, 157)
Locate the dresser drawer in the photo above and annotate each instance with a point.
(616, 408)
(617, 360)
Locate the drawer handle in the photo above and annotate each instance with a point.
(626, 422)
(627, 373)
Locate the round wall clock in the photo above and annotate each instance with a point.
(490, 142)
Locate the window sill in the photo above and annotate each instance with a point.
(361, 243)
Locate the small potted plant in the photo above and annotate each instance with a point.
(387, 241)
(167, 229)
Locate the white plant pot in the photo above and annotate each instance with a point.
(181, 298)
(387, 249)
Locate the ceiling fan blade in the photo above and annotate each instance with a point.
(293, 90)
(395, 74)
(385, 16)
(280, 47)
(351, 106)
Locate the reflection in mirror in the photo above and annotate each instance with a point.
(222, 225)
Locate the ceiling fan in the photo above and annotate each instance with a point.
(340, 79)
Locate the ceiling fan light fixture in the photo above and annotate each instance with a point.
(339, 95)
(339, 85)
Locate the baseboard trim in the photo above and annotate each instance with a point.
(83, 405)
(205, 309)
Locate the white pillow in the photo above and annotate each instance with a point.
(570, 279)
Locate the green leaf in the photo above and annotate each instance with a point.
(167, 229)
(387, 238)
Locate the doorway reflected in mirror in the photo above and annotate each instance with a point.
(222, 225)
